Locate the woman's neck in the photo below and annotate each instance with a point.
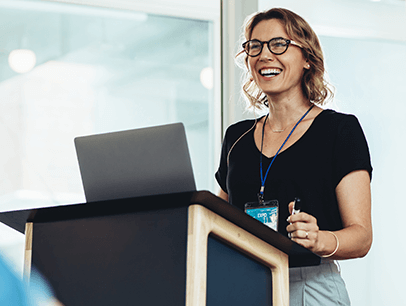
(285, 112)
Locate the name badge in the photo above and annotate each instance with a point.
(267, 212)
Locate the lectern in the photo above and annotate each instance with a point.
(188, 248)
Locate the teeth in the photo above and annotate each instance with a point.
(269, 72)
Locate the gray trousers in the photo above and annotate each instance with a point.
(317, 286)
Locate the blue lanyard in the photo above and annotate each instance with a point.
(263, 178)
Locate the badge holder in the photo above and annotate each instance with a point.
(266, 212)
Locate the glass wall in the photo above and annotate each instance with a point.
(70, 70)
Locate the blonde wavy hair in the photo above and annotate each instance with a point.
(314, 85)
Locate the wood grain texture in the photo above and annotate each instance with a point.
(28, 250)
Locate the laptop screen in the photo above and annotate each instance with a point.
(134, 163)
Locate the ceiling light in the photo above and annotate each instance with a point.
(206, 77)
(22, 60)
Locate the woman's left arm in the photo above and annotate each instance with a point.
(355, 239)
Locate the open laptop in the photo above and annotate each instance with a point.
(134, 163)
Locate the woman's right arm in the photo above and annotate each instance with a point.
(222, 194)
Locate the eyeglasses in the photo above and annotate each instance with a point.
(276, 45)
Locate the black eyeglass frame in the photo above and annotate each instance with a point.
(287, 41)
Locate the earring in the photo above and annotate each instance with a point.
(308, 66)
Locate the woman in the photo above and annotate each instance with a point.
(299, 150)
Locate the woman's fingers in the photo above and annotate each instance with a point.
(290, 206)
(302, 217)
(303, 229)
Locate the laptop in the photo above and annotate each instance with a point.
(135, 163)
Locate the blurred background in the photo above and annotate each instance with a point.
(73, 68)
(68, 70)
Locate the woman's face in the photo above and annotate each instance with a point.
(277, 75)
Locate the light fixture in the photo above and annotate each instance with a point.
(206, 77)
(22, 60)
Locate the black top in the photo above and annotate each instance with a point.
(310, 169)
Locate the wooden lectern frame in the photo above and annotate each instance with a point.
(197, 214)
(202, 223)
(28, 250)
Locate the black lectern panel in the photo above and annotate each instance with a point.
(128, 259)
(234, 278)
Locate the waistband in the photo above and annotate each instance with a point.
(325, 267)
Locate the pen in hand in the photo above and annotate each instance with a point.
(297, 205)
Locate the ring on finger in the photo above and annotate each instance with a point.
(307, 235)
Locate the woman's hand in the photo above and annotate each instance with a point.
(355, 239)
(303, 229)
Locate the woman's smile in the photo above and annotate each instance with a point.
(270, 72)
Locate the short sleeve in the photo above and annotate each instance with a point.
(221, 174)
(351, 152)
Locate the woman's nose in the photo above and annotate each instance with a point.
(266, 54)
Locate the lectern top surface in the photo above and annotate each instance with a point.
(298, 255)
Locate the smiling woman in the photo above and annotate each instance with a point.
(301, 35)
(319, 156)
(290, 64)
